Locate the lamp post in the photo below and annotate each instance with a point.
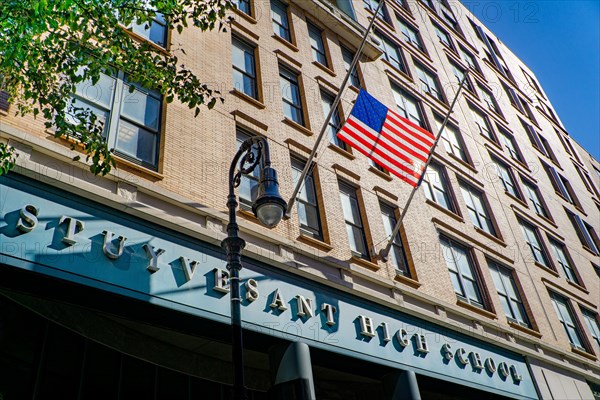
(269, 207)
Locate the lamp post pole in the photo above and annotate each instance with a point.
(269, 207)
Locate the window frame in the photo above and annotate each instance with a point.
(505, 173)
(440, 31)
(482, 213)
(398, 248)
(508, 142)
(253, 77)
(539, 201)
(405, 98)
(285, 25)
(428, 79)
(441, 186)
(386, 43)
(573, 323)
(241, 135)
(478, 118)
(352, 193)
(539, 244)
(298, 164)
(292, 78)
(411, 35)
(516, 301)
(452, 140)
(319, 53)
(594, 331)
(335, 122)
(354, 77)
(475, 277)
(585, 232)
(249, 6)
(563, 258)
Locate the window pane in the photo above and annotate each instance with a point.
(136, 142)
(101, 93)
(141, 108)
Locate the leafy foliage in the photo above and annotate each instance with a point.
(8, 158)
(47, 47)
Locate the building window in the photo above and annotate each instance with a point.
(507, 179)
(508, 141)
(391, 53)
(407, 106)
(279, 17)
(591, 320)
(586, 234)
(459, 261)
(131, 119)
(372, 6)
(397, 254)
(535, 245)
(443, 36)
(468, 59)
(452, 140)
(587, 180)
(378, 167)
(429, 83)
(562, 257)
(290, 93)
(477, 209)
(567, 320)
(547, 149)
(459, 74)
(535, 198)
(354, 224)
(244, 68)
(410, 35)
(155, 31)
(307, 204)
(509, 294)
(561, 185)
(248, 188)
(334, 123)
(488, 99)
(534, 138)
(348, 56)
(317, 45)
(435, 186)
(243, 6)
(532, 82)
(482, 125)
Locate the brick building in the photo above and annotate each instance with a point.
(492, 290)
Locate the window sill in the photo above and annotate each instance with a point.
(547, 269)
(324, 68)
(517, 199)
(462, 162)
(249, 99)
(525, 329)
(155, 46)
(407, 281)
(242, 14)
(380, 174)
(140, 168)
(314, 242)
(354, 88)
(590, 250)
(444, 210)
(365, 263)
(490, 236)
(583, 353)
(341, 151)
(248, 214)
(291, 46)
(578, 286)
(297, 126)
(395, 72)
(476, 309)
(547, 220)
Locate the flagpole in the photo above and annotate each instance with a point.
(383, 253)
(333, 109)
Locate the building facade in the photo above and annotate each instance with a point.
(116, 286)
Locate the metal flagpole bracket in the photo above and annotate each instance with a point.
(383, 253)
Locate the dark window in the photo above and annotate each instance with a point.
(317, 45)
(429, 83)
(509, 294)
(561, 185)
(154, 31)
(397, 254)
(279, 17)
(591, 320)
(488, 99)
(459, 74)
(391, 52)
(587, 180)
(586, 234)
(508, 141)
(243, 6)
(131, 120)
(443, 36)
(563, 259)
(307, 203)
(435, 186)
(534, 243)
(290, 93)
(354, 225)
(408, 107)
(477, 209)
(244, 68)
(548, 149)
(567, 320)
(507, 179)
(382, 14)
(468, 59)
(334, 123)
(248, 188)
(348, 56)
(533, 194)
(460, 265)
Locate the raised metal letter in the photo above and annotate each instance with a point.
(329, 311)
(366, 326)
(221, 277)
(278, 301)
(153, 255)
(251, 290)
(28, 219)
(73, 226)
(107, 246)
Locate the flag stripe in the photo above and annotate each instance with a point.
(410, 127)
(381, 139)
(394, 135)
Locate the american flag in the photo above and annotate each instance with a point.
(395, 143)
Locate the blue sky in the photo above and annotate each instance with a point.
(560, 41)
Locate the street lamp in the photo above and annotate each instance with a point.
(269, 207)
